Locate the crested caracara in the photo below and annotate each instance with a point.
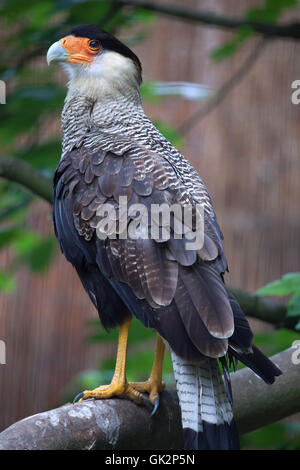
(111, 153)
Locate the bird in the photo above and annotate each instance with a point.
(111, 153)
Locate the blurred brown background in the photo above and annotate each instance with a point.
(247, 152)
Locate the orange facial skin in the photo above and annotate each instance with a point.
(79, 49)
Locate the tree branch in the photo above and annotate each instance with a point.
(19, 171)
(257, 404)
(264, 309)
(288, 31)
(117, 424)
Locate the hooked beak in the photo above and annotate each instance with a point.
(71, 49)
(57, 53)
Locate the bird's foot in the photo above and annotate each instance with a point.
(114, 389)
(153, 387)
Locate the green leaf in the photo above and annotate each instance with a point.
(294, 305)
(229, 48)
(99, 334)
(24, 110)
(17, 212)
(42, 156)
(287, 285)
(87, 11)
(170, 133)
(8, 235)
(41, 256)
(14, 201)
(292, 277)
(144, 16)
(275, 341)
(277, 436)
(39, 14)
(34, 251)
(7, 282)
(269, 12)
(148, 92)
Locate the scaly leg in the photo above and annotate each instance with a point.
(119, 385)
(154, 384)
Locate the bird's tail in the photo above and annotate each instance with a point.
(206, 408)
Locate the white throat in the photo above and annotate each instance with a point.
(110, 76)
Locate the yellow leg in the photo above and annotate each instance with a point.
(119, 385)
(154, 384)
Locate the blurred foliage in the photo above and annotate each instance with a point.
(284, 435)
(26, 247)
(270, 12)
(278, 340)
(35, 94)
(289, 284)
(7, 282)
(141, 345)
(34, 99)
(170, 133)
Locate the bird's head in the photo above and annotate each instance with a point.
(95, 60)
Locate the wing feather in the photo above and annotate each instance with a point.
(168, 281)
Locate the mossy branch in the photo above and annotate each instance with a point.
(117, 424)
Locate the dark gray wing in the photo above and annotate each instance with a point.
(181, 290)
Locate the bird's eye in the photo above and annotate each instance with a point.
(94, 44)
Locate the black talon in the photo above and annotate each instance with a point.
(147, 403)
(80, 395)
(155, 407)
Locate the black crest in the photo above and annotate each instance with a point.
(107, 40)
